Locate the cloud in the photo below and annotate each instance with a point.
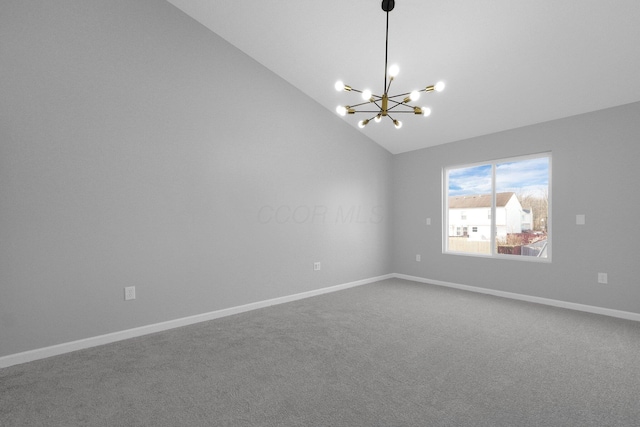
(522, 176)
(472, 180)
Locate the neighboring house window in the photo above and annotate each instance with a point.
(492, 199)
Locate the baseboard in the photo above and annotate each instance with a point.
(546, 301)
(41, 353)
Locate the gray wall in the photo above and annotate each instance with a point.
(138, 148)
(595, 172)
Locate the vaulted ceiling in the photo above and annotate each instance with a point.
(506, 63)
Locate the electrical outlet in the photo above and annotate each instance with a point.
(580, 219)
(428, 221)
(602, 278)
(316, 266)
(418, 258)
(129, 293)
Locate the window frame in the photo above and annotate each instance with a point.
(492, 211)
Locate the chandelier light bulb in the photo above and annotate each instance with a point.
(426, 111)
(394, 70)
(378, 118)
(341, 110)
(398, 124)
(414, 95)
(366, 94)
(339, 86)
(439, 87)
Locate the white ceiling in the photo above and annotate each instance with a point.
(506, 63)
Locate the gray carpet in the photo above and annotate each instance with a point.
(392, 353)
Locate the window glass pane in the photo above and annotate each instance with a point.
(469, 198)
(501, 208)
(522, 207)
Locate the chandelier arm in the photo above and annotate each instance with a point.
(411, 109)
(400, 111)
(373, 95)
(405, 94)
(388, 87)
(397, 96)
(399, 104)
(362, 103)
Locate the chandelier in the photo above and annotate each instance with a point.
(383, 106)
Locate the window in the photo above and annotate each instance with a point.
(507, 205)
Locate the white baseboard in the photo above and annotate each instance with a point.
(546, 301)
(41, 353)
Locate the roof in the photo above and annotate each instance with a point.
(479, 200)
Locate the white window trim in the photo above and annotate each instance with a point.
(493, 163)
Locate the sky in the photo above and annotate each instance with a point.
(529, 176)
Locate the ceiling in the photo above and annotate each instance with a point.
(506, 63)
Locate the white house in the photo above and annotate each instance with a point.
(527, 219)
(470, 216)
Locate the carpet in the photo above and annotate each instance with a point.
(391, 353)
